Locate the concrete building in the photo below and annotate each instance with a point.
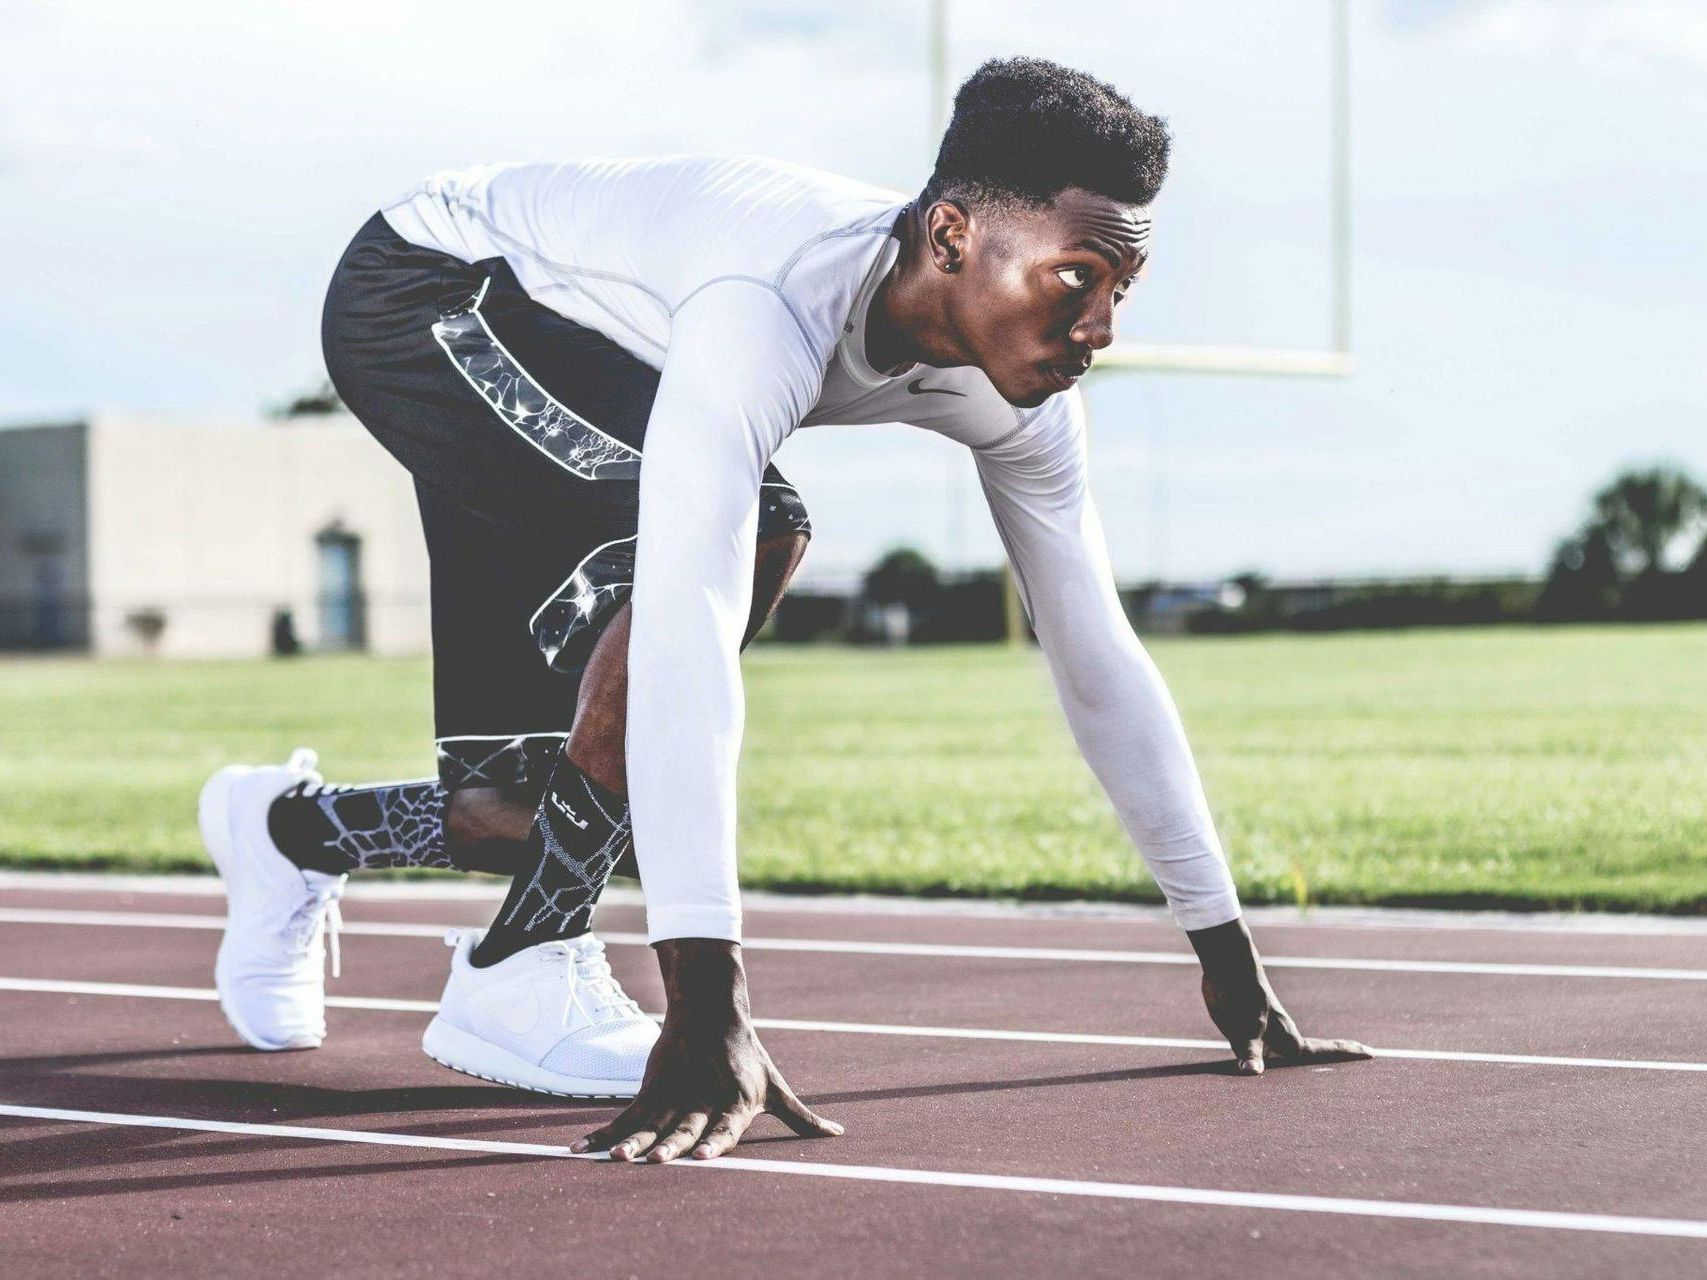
(125, 536)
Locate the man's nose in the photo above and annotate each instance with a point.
(1095, 328)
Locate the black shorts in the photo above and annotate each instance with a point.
(523, 431)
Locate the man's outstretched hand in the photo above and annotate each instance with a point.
(1248, 1012)
(708, 1077)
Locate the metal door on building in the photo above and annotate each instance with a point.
(343, 606)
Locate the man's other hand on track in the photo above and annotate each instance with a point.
(708, 1077)
(1246, 1010)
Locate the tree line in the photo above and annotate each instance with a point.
(1640, 554)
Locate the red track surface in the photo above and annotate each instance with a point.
(98, 1198)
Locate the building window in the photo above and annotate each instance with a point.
(343, 605)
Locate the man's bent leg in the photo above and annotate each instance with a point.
(345, 828)
(419, 823)
(500, 716)
(337, 829)
(582, 827)
(334, 829)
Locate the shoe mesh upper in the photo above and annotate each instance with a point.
(613, 1051)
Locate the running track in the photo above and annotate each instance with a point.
(1024, 1094)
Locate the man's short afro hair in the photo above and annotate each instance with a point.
(1024, 129)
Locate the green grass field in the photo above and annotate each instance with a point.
(1513, 766)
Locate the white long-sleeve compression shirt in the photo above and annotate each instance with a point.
(747, 283)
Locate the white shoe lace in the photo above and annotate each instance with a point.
(322, 901)
(589, 971)
(320, 905)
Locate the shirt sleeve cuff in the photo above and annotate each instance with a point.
(1207, 913)
(665, 923)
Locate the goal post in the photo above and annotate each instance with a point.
(1334, 360)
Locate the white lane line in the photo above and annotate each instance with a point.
(948, 951)
(1081, 956)
(55, 986)
(360, 1136)
(146, 991)
(195, 920)
(1220, 1046)
(1415, 1211)
(760, 901)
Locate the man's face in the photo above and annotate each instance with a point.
(1036, 289)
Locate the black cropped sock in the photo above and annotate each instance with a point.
(399, 824)
(578, 834)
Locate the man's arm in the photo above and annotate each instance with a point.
(1126, 725)
(1117, 705)
(736, 382)
(738, 378)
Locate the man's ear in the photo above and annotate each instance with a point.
(947, 228)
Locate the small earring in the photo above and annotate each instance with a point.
(951, 266)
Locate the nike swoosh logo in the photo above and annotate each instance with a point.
(517, 1014)
(917, 387)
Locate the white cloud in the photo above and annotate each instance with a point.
(179, 175)
(1620, 36)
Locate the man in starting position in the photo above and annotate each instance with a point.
(520, 337)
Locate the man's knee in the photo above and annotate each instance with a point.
(782, 511)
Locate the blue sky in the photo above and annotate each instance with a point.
(177, 178)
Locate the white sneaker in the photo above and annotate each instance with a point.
(550, 1018)
(271, 968)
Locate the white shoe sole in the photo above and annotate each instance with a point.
(213, 816)
(454, 1048)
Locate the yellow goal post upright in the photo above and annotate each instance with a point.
(1335, 360)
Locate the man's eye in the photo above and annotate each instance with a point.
(1074, 277)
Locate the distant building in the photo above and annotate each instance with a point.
(121, 535)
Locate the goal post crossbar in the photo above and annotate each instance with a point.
(1334, 360)
(1272, 362)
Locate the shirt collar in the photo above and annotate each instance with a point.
(852, 344)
